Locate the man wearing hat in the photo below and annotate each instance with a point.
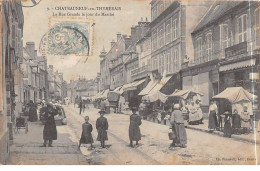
(102, 127)
(134, 130)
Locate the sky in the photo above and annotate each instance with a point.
(37, 21)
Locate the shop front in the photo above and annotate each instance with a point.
(203, 78)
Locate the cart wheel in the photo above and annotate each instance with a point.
(26, 129)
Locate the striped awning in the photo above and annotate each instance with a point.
(241, 64)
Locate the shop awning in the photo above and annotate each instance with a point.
(104, 94)
(134, 85)
(117, 89)
(185, 93)
(125, 86)
(235, 95)
(241, 64)
(160, 85)
(148, 88)
(156, 95)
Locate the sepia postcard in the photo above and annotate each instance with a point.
(129, 82)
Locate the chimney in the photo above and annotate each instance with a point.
(30, 46)
(118, 35)
(112, 43)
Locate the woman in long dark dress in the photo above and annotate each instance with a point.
(236, 122)
(86, 136)
(134, 130)
(49, 130)
(32, 112)
(102, 127)
(213, 110)
(178, 127)
(227, 126)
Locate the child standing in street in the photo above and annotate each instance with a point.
(86, 136)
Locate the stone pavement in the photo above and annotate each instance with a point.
(26, 148)
(251, 138)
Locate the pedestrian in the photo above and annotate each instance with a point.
(102, 105)
(102, 127)
(32, 112)
(83, 106)
(86, 136)
(245, 120)
(213, 110)
(80, 107)
(141, 109)
(236, 122)
(193, 114)
(199, 112)
(134, 130)
(49, 130)
(177, 123)
(227, 126)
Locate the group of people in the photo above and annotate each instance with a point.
(101, 126)
(176, 120)
(234, 122)
(30, 110)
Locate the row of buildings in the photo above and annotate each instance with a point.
(11, 72)
(24, 75)
(201, 45)
(81, 88)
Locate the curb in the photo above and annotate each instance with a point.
(235, 137)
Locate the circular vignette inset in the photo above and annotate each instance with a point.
(29, 3)
(66, 38)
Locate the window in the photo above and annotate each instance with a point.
(161, 7)
(161, 63)
(154, 39)
(209, 45)
(176, 59)
(174, 29)
(168, 61)
(198, 50)
(168, 32)
(257, 27)
(141, 48)
(224, 37)
(154, 12)
(155, 63)
(161, 36)
(242, 28)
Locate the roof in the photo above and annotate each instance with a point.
(215, 12)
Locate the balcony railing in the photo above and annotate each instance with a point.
(206, 58)
(236, 50)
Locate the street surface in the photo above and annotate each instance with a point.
(202, 148)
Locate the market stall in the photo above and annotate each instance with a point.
(190, 105)
(240, 101)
